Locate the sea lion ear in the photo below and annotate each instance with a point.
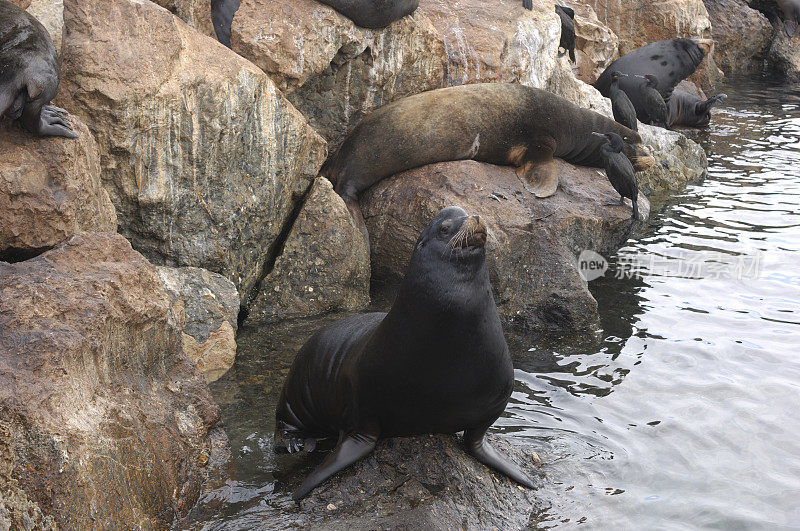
(35, 89)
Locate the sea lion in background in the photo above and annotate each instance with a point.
(498, 123)
(688, 110)
(669, 61)
(621, 106)
(654, 106)
(436, 363)
(619, 171)
(567, 16)
(29, 74)
(791, 16)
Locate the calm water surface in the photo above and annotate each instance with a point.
(683, 413)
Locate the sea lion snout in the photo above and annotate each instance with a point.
(471, 234)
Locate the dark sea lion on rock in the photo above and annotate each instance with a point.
(670, 61)
(621, 106)
(222, 13)
(436, 363)
(373, 14)
(29, 74)
(567, 16)
(620, 171)
(498, 123)
(791, 16)
(688, 110)
(653, 104)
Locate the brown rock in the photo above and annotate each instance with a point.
(208, 306)
(196, 13)
(784, 54)
(51, 14)
(533, 244)
(596, 46)
(201, 154)
(21, 3)
(102, 418)
(49, 189)
(324, 265)
(742, 36)
(332, 70)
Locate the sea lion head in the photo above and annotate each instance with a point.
(453, 237)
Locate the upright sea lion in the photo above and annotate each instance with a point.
(688, 110)
(567, 16)
(669, 61)
(498, 123)
(620, 171)
(791, 16)
(29, 74)
(436, 363)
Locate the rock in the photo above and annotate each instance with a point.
(202, 156)
(784, 54)
(425, 482)
(596, 46)
(51, 14)
(324, 265)
(49, 189)
(331, 69)
(678, 161)
(208, 305)
(102, 418)
(533, 244)
(742, 36)
(196, 13)
(21, 3)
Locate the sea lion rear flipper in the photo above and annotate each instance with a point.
(541, 178)
(352, 448)
(222, 13)
(477, 446)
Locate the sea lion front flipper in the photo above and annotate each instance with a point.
(222, 13)
(352, 448)
(53, 123)
(477, 446)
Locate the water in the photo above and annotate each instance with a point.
(684, 412)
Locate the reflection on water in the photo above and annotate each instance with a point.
(682, 413)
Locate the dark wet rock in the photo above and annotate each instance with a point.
(533, 245)
(323, 266)
(208, 306)
(49, 189)
(203, 157)
(742, 35)
(425, 482)
(103, 420)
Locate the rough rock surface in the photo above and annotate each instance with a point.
(102, 418)
(331, 69)
(426, 482)
(51, 14)
(201, 154)
(533, 244)
(324, 265)
(208, 306)
(21, 3)
(678, 161)
(196, 13)
(596, 46)
(742, 36)
(784, 54)
(49, 189)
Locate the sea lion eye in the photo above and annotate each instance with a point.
(444, 229)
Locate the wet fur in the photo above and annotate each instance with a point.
(688, 110)
(436, 363)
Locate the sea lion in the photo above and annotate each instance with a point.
(373, 14)
(669, 61)
(688, 110)
(567, 16)
(436, 363)
(222, 13)
(653, 104)
(620, 171)
(498, 123)
(621, 107)
(29, 74)
(791, 16)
